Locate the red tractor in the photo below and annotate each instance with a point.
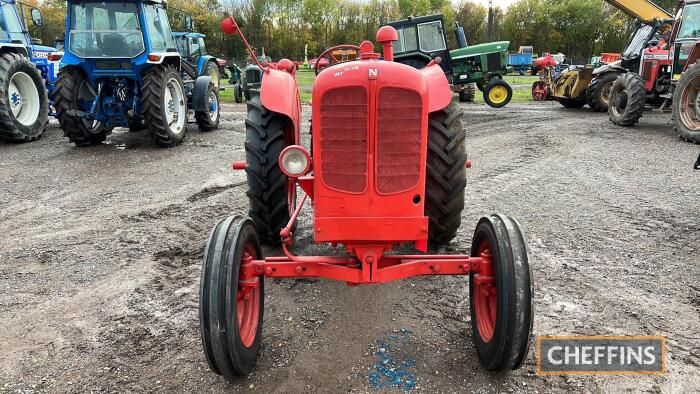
(388, 170)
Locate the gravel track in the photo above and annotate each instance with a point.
(101, 252)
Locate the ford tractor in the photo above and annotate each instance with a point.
(26, 75)
(423, 39)
(387, 176)
(121, 68)
(195, 58)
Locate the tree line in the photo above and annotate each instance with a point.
(291, 28)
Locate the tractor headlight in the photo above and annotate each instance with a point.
(294, 161)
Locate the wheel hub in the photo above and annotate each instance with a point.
(485, 297)
(23, 97)
(248, 301)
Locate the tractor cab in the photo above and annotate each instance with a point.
(686, 33)
(195, 59)
(423, 39)
(118, 37)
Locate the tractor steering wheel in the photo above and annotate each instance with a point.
(328, 53)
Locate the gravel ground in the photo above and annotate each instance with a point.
(101, 251)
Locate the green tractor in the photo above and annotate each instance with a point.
(423, 38)
(248, 78)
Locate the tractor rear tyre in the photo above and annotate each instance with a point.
(237, 93)
(24, 105)
(599, 91)
(578, 102)
(165, 105)
(480, 85)
(627, 99)
(497, 93)
(231, 307)
(686, 105)
(446, 175)
(466, 94)
(209, 120)
(72, 87)
(267, 185)
(501, 297)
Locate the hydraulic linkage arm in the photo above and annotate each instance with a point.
(643, 10)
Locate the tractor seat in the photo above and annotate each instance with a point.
(114, 44)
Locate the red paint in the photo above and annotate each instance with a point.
(485, 296)
(248, 297)
(239, 165)
(386, 35)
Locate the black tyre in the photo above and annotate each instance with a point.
(73, 86)
(446, 175)
(599, 91)
(267, 184)
(686, 109)
(627, 99)
(24, 105)
(231, 331)
(237, 93)
(136, 125)
(497, 93)
(578, 102)
(466, 94)
(480, 85)
(500, 294)
(246, 93)
(164, 105)
(415, 63)
(209, 120)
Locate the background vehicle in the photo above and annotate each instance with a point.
(121, 68)
(248, 78)
(423, 39)
(521, 61)
(388, 167)
(26, 75)
(196, 61)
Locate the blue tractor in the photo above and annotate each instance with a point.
(195, 58)
(26, 75)
(121, 68)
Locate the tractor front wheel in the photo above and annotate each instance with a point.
(540, 91)
(237, 93)
(599, 92)
(72, 88)
(497, 93)
(500, 294)
(627, 99)
(24, 105)
(165, 105)
(268, 188)
(212, 71)
(231, 305)
(446, 175)
(209, 120)
(686, 105)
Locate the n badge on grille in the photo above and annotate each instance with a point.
(372, 73)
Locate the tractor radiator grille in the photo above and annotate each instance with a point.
(399, 121)
(344, 139)
(253, 75)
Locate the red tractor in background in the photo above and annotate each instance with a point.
(388, 169)
(670, 73)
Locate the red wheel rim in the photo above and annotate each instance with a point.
(248, 302)
(485, 298)
(540, 91)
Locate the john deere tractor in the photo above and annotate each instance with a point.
(122, 68)
(423, 39)
(26, 74)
